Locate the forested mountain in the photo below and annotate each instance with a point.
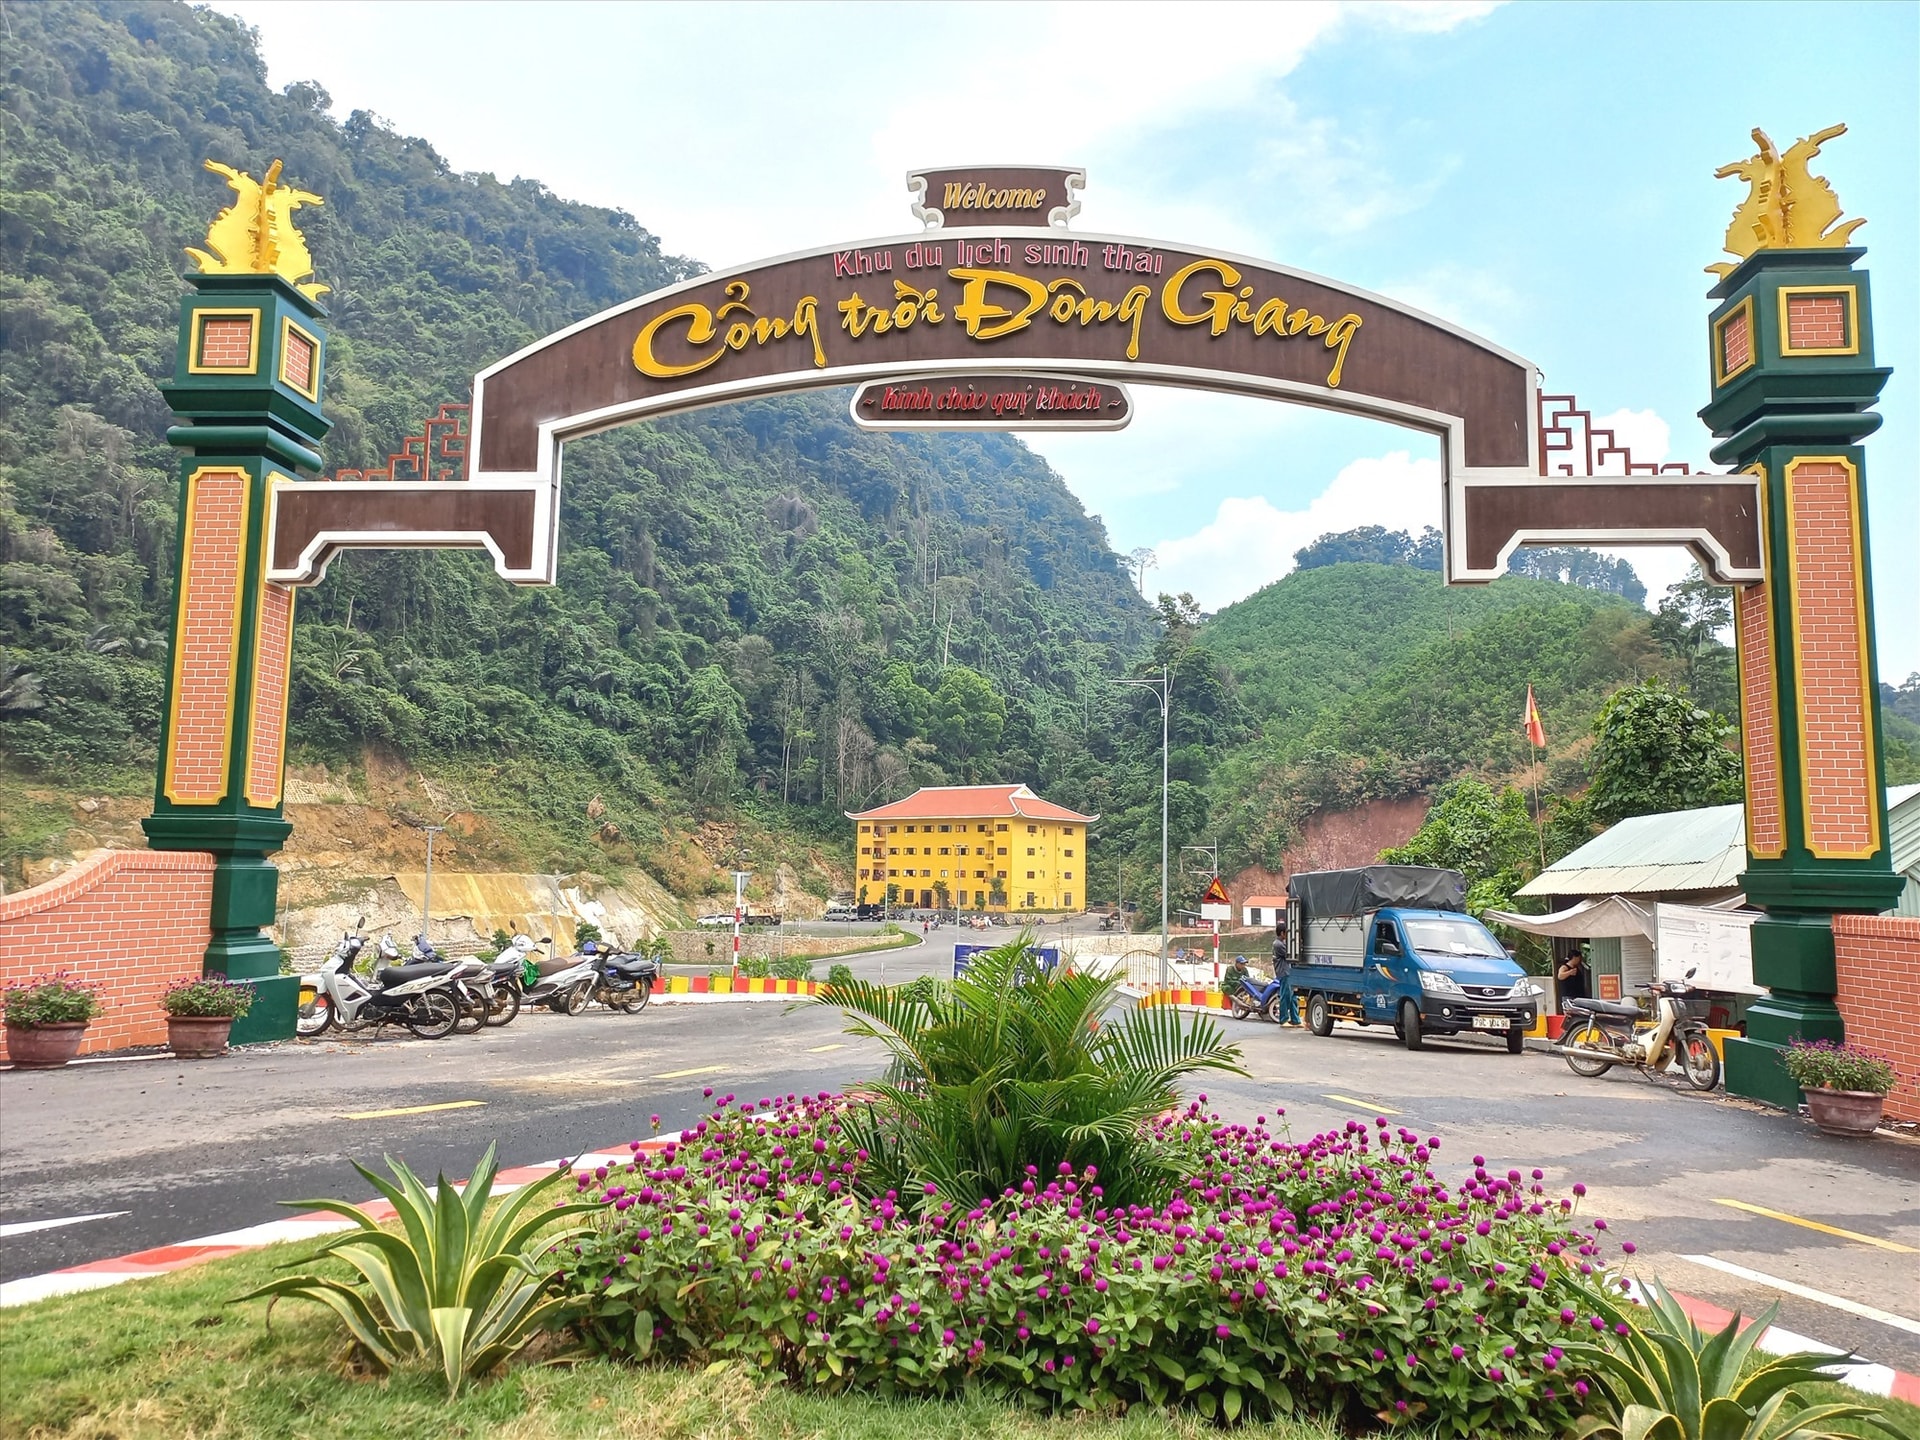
(757, 605)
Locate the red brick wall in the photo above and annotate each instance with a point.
(206, 637)
(1877, 957)
(126, 920)
(1766, 815)
(1816, 322)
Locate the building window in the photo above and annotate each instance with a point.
(1066, 874)
(1029, 876)
(984, 829)
(1033, 829)
(1030, 904)
(945, 828)
(999, 827)
(1066, 900)
(1066, 830)
(979, 899)
(1067, 851)
(865, 876)
(1003, 849)
(866, 829)
(1000, 874)
(1029, 849)
(946, 849)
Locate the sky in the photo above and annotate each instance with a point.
(1541, 174)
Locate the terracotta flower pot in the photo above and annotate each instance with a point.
(1845, 1112)
(198, 1037)
(44, 1047)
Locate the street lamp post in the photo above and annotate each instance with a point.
(1163, 687)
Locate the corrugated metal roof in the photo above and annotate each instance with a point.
(1697, 850)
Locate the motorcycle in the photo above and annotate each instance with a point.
(565, 985)
(1601, 1034)
(625, 980)
(507, 981)
(315, 1012)
(474, 985)
(1246, 997)
(419, 996)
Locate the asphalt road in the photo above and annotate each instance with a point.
(188, 1149)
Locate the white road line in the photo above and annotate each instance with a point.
(41, 1287)
(27, 1227)
(1820, 1297)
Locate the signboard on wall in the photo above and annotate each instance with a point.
(992, 402)
(1716, 944)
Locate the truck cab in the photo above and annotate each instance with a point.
(1422, 968)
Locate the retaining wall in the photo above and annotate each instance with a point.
(1877, 959)
(128, 921)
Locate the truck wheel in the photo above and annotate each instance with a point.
(1319, 1018)
(1516, 1040)
(1410, 1024)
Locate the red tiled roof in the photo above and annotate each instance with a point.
(971, 802)
(1266, 902)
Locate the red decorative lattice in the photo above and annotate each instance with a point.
(1568, 434)
(438, 453)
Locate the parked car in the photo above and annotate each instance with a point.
(717, 921)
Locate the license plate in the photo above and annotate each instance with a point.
(1490, 1022)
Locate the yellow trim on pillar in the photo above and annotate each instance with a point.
(1875, 841)
(233, 652)
(198, 337)
(1773, 691)
(267, 802)
(1852, 293)
(1721, 375)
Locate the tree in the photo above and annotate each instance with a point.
(716, 728)
(1367, 545)
(1655, 751)
(1688, 626)
(1489, 838)
(969, 716)
(1577, 565)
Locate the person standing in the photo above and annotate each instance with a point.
(1283, 976)
(1571, 978)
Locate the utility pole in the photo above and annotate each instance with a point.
(739, 902)
(1163, 687)
(1212, 872)
(426, 887)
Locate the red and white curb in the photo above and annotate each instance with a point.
(1866, 1376)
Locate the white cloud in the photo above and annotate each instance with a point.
(1250, 543)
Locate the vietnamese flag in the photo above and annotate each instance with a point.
(1536, 732)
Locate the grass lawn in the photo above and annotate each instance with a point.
(167, 1358)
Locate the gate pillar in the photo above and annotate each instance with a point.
(246, 389)
(1793, 382)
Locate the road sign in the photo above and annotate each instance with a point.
(1214, 905)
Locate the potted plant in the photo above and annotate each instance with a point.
(201, 1010)
(1846, 1087)
(46, 1018)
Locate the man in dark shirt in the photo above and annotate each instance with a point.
(1571, 975)
(1288, 1006)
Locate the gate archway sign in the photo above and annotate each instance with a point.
(994, 295)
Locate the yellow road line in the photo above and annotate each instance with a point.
(822, 1049)
(1366, 1105)
(1893, 1245)
(682, 1074)
(411, 1110)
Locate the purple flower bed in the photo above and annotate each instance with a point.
(1336, 1275)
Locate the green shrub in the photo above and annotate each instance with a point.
(207, 997)
(455, 1286)
(1669, 1380)
(1822, 1065)
(1011, 1066)
(586, 930)
(50, 1000)
(839, 974)
(1338, 1275)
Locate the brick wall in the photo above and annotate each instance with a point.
(1766, 814)
(126, 920)
(1816, 322)
(206, 637)
(1877, 957)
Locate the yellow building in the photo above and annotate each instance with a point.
(972, 847)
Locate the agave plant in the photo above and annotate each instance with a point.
(456, 1285)
(1012, 1066)
(1673, 1381)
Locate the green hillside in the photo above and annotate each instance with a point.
(765, 615)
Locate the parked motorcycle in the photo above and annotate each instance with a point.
(507, 978)
(315, 1012)
(473, 985)
(625, 980)
(565, 985)
(1601, 1034)
(1246, 996)
(419, 996)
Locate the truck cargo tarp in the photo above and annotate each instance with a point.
(1368, 887)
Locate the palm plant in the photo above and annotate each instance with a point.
(456, 1285)
(1012, 1071)
(1672, 1381)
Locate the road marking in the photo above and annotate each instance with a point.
(682, 1074)
(1820, 1297)
(1366, 1105)
(822, 1049)
(1893, 1245)
(27, 1227)
(410, 1110)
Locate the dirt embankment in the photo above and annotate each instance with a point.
(1335, 840)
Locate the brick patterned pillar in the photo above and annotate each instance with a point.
(246, 388)
(1794, 383)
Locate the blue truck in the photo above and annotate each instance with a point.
(1392, 945)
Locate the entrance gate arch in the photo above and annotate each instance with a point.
(1016, 292)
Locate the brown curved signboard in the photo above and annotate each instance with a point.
(980, 300)
(1012, 401)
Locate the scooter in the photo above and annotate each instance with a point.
(625, 980)
(473, 985)
(420, 997)
(507, 979)
(566, 985)
(1245, 997)
(1601, 1034)
(315, 1012)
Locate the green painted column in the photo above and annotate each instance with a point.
(246, 390)
(1794, 382)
